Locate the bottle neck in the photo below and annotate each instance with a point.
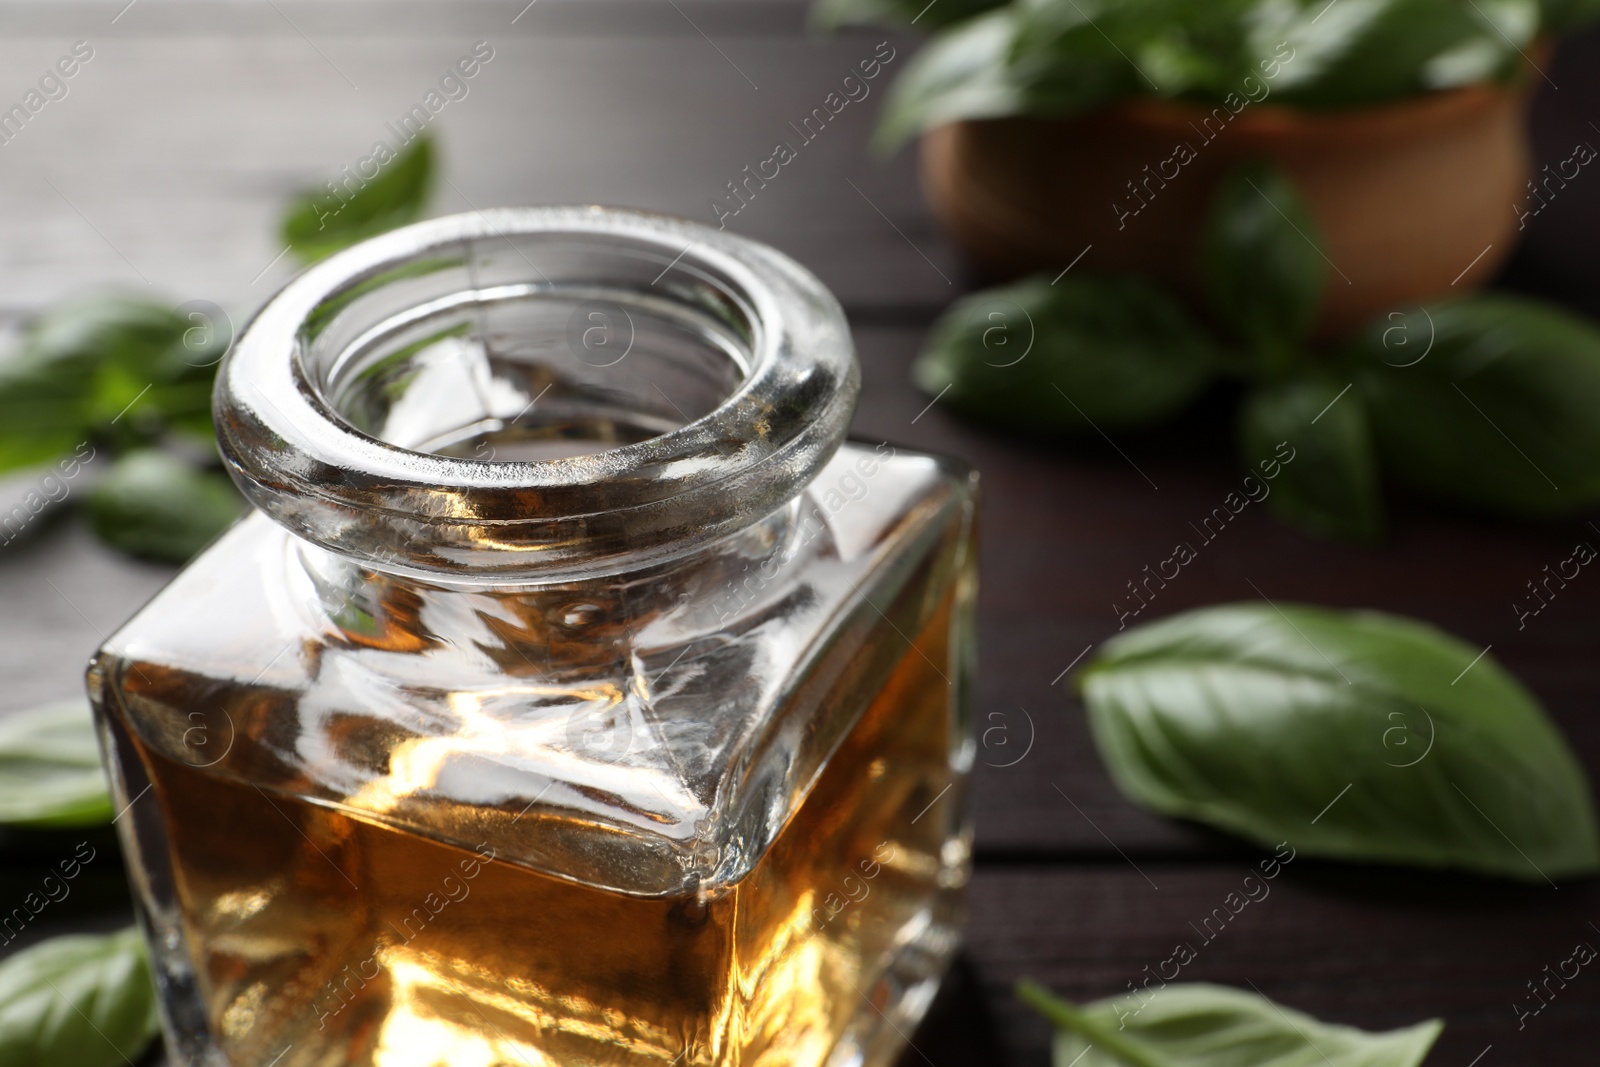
(526, 397)
(568, 632)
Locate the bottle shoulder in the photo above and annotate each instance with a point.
(642, 732)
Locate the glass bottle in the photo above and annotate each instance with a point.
(576, 694)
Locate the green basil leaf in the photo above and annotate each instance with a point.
(145, 338)
(1204, 50)
(1494, 52)
(52, 391)
(1329, 486)
(1070, 58)
(1398, 52)
(155, 505)
(322, 221)
(1489, 402)
(82, 1000)
(43, 410)
(50, 773)
(1196, 1024)
(1294, 44)
(112, 365)
(1261, 263)
(1354, 735)
(1073, 57)
(1045, 57)
(1035, 59)
(960, 74)
(831, 14)
(1090, 351)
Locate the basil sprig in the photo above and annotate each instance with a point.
(1065, 57)
(85, 1000)
(1485, 402)
(122, 376)
(111, 368)
(1355, 735)
(1196, 1024)
(109, 375)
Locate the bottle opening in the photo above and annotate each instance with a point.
(525, 392)
(540, 371)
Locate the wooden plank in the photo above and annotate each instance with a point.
(166, 166)
(1370, 948)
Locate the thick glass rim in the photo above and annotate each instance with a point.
(300, 461)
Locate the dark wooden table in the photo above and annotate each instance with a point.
(165, 167)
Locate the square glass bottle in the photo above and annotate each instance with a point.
(577, 695)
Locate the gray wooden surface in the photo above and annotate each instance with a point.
(167, 164)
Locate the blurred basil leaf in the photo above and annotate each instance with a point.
(1390, 47)
(1114, 351)
(50, 773)
(1196, 1024)
(321, 221)
(928, 14)
(1495, 52)
(962, 73)
(1049, 57)
(103, 365)
(43, 409)
(1330, 487)
(1260, 261)
(1489, 401)
(1296, 43)
(145, 339)
(153, 504)
(84, 1000)
(1354, 735)
(1071, 57)
(1198, 50)
(1043, 59)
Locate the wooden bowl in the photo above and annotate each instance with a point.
(1415, 199)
